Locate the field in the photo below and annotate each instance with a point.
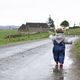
(73, 31)
(11, 36)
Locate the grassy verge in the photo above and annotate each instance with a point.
(4, 33)
(77, 48)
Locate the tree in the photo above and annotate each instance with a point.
(50, 22)
(64, 23)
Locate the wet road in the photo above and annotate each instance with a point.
(34, 61)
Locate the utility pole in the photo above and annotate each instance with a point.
(28, 30)
(57, 23)
(9, 32)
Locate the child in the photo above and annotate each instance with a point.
(59, 47)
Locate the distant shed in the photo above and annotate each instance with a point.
(33, 27)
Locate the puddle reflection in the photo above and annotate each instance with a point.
(58, 74)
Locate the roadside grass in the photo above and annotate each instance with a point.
(77, 48)
(23, 37)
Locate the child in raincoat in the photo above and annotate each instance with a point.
(59, 42)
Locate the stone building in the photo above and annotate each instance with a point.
(33, 28)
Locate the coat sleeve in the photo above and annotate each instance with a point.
(51, 37)
(66, 41)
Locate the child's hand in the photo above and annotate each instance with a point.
(51, 36)
(71, 42)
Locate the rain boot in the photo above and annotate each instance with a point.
(61, 66)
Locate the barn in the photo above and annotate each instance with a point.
(33, 28)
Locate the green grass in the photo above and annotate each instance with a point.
(73, 31)
(77, 48)
(5, 33)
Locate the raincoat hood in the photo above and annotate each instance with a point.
(59, 37)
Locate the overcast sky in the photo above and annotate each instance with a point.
(17, 12)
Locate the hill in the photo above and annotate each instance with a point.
(9, 27)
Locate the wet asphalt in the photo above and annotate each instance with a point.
(34, 61)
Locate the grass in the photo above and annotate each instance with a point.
(77, 48)
(5, 33)
(75, 31)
